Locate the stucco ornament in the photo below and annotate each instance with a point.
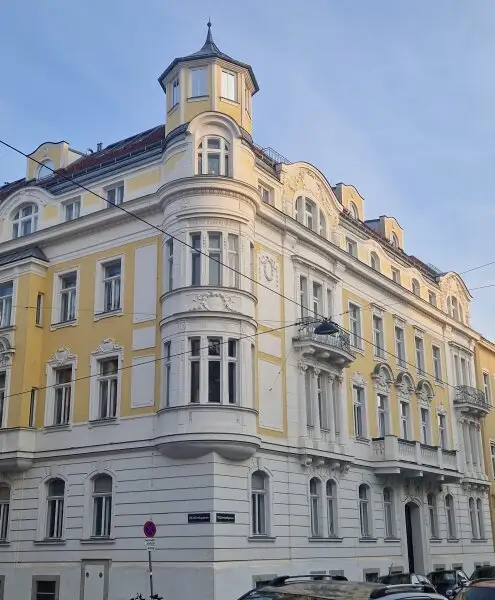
(212, 301)
(358, 379)
(424, 394)
(404, 386)
(61, 357)
(6, 352)
(381, 380)
(269, 269)
(106, 346)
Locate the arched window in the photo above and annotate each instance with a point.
(364, 510)
(353, 211)
(455, 309)
(4, 512)
(307, 214)
(323, 225)
(374, 261)
(432, 515)
(331, 507)
(315, 506)
(213, 156)
(388, 507)
(45, 169)
(394, 240)
(415, 287)
(259, 503)
(102, 506)
(479, 514)
(450, 516)
(25, 221)
(55, 509)
(472, 518)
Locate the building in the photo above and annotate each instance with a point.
(181, 378)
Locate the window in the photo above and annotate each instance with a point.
(112, 288)
(492, 453)
(473, 518)
(455, 309)
(25, 221)
(213, 157)
(247, 100)
(437, 363)
(102, 506)
(404, 420)
(46, 588)
(308, 386)
(432, 298)
(486, 388)
(309, 214)
(196, 259)
(167, 367)
(355, 326)
(198, 82)
(107, 381)
(175, 92)
(400, 346)
(331, 489)
(450, 516)
(432, 515)
(321, 394)
(265, 194)
(214, 369)
(62, 396)
(359, 413)
(68, 297)
(195, 365)
(479, 514)
(353, 211)
(329, 303)
(170, 264)
(233, 259)
(4, 512)
(3, 413)
(425, 425)
(251, 265)
(388, 507)
(32, 407)
(416, 290)
(371, 576)
(378, 337)
(115, 195)
(259, 503)
(314, 506)
(6, 291)
(45, 169)
(317, 290)
(229, 86)
(420, 354)
(72, 210)
(396, 275)
(375, 261)
(303, 296)
(394, 240)
(442, 431)
(323, 225)
(382, 409)
(364, 510)
(39, 309)
(351, 247)
(55, 509)
(232, 369)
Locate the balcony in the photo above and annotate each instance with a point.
(194, 430)
(471, 400)
(413, 459)
(335, 348)
(17, 447)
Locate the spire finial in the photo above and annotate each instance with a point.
(209, 37)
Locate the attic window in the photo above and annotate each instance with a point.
(353, 211)
(394, 240)
(46, 169)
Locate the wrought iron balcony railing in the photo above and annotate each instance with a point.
(340, 340)
(470, 396)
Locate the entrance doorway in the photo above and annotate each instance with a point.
(414, 538)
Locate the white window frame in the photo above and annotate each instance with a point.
(432, 515)
(375, 262)
(202, 90)
(99, 302)
(365, 510)
(405, 420)
(175, 92)
(167, 372)
(45, 169)
(473, 518)
(69, 361)
(332, 507)
(356, 336)
(480, 518)
(357, 393)
(390, 529)
(443, 432)
(351, 247)
(68, 298)
(266, 193)
(74, 205)
(492, 456)
(228, 85)
(382, 415)
(5, 513)
(104, 495)
(315, 507)
(378, 327)
(224, 156)
(415, 287)
(60, 506)
(437, 363)
(40, 305)
(260, 527)
(118, 190)
(20, 220)
(229, 277)
(425, 426)
(169, 265)
(396, 275)
(57, 298)
(419, 352)
(432, 298)
(7, 305)
(487, 388)
(107, 350)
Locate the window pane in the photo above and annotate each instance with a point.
(102, 484)
(214, 381)
(232, 382)
(195, 371)
(213, 164)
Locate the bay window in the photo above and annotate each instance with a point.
(221, 267)
(213, 157)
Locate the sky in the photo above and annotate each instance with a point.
(395, 97)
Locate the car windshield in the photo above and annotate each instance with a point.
(396, 579)
(444, 577)
(483, 572)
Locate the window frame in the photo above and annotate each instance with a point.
(443, 433)
(113, 351)
(266, 193)
(222, 258)
(231, 78)
(56, 315)
(405, 420)
(492, 456)
(53, 387)
(204, 152)
(355, 336)
(425, 426)
(315, 507)
(359, 394)
(169, 265)
(73, 204)
(432, 515)
(365, 524)
(437, 364)
(390, 528)
(58, 500)
(7, 305)
(450, 518)
(379, 349)
(5, 510)
(108, 513)
(351, 247)
(18, 219)
(331, 498)
(260, 496)
(99, 300)
(473, 518)
(487, 388)
(167, 372)
(375, 262)
(382, 411)
(415, 287)
(119, 194)
(68, 308)
(396, 275)
(202, 88)
(174, 92)
(45, 578)
(480, 519)
(47, 164)
(419, 351)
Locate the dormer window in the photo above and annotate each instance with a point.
(353, 211)
(198, 82)
(229, 87)
(416, 290)
(323, 225)
(374, 261)
(46, 169)
(394, 240)
(455, 309)
(308, 214)
(25, 221)
(213, 156)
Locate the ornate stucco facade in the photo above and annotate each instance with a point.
(178, 376)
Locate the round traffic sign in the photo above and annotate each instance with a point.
(149, 529)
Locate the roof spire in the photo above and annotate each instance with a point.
(209, 37)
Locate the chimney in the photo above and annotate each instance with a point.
(99, 146)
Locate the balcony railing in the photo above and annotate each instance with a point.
(470, 397)
(339, 340)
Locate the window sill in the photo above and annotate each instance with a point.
(102, 422)
(333, 539)
(261, 538)
(358, 350)
(229, 101)
(452, 540)
(7, 328)
(197, 98)
(362, 440)
(478, 540)
(98, 540)
(392, 540)
(50, 542)
(174, 108)
(61, 427)
(435, 540)
(371, 540)
(4, 543)
(63, 324)
(110, 313)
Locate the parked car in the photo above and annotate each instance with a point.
(403, 578)
(486, 572)
(325, 587)
(448, 581)
(479, 589)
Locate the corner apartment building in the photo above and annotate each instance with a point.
(178, 376)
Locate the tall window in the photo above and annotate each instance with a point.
(214, 369)
(317, 299)
(432, 298)
(364, 510)
(394, 240)
(437, 363)
(432, 515)
(68, 294)
(39, 309)
(303, 296)
(480, 520)
(442, 431)
(55, 509)
(62, 398)
(486, 388)
(6, 291)
(233, 259)
(175, 92)
(315, 506)
(331, 489)
(492, 454)
(167, 367)
(170, 264)
(355, 325)
(415, 287)
(213, 157)
(259, 503)
(353, 210)
(229, 85)
(215, 256)
(25, 221)
(375, 261)
(309, 214)
(196, 259)
(382, 408)
(112, 278)
(46, 589)
(107, 383)
(45, 169)
(359, 413)
(404, 420)
(388, 507)
(395, 275)
(473, 518)
(264, 193)
(115, 195)
(450, 516)
(3, 415)
(420, 354)
(322, 402)
(400, 346)
(323, 225)
(198, 82)
(378, 337)
(4, 512)
(72, 209)
(195, 366)
(425, 425)
(455, 309)
(232, 347)
(102, 506)
(310, 417)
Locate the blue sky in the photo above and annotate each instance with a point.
(395, 97)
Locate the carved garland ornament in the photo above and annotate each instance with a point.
(61, 357)
(201, 301)
(107, 345)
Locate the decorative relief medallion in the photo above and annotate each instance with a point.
(213, 301)
(61, 357)
(358, 379)
(269, 268)
(106, 346)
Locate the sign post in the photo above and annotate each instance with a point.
(149, 529)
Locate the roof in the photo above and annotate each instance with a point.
(208, 50)
(22, 254)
